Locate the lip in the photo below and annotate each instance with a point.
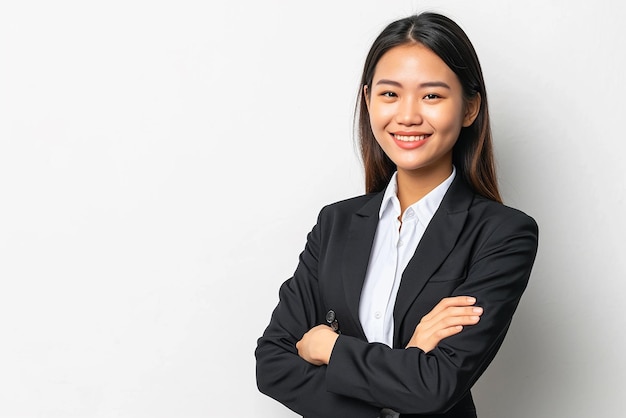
(410, 140)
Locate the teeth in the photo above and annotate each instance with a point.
(410, 138)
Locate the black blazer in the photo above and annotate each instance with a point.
(472, 246)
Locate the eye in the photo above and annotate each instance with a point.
(388, 94)
(432, 96)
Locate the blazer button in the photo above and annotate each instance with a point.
(388, 413)
(330, 316)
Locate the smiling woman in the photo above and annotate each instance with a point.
(403, 296)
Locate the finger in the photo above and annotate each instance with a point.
(450, 326)
(459, 311)
(447, 332)
(448, 302)
(458, 301)
(450, 312)
(458, 320)
(433, 327)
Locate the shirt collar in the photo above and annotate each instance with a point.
(424, 208)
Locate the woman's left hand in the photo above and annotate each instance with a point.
(317, 344)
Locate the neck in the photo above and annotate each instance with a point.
(414, 185)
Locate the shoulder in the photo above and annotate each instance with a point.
(339, 215)
(483, 214)
(495, 211)
(494, 220)
(366, 203)
(349, 205)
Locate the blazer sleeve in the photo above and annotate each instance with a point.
(281, 373)
(413, 382)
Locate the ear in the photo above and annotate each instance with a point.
(472, 107)
(366, 94)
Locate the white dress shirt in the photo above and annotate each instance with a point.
(394, 244)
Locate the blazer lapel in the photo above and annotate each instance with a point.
(436, 244)
(357, 252)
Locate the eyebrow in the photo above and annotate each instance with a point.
(422, 85)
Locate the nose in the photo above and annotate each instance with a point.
(409, 112)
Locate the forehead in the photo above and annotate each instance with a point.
(413, 62)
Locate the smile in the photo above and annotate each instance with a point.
(410, 138)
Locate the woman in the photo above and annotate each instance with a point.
(403, 296)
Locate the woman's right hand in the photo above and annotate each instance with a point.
(447, 318)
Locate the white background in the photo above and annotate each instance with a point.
(162, 161)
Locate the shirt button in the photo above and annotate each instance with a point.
(400, 243)
(377, 315)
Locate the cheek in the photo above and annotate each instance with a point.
(447, 120)
(380, 116)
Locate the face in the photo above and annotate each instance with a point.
(417, 109)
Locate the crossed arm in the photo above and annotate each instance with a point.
(446, 319)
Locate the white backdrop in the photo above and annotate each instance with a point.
(162, 161)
